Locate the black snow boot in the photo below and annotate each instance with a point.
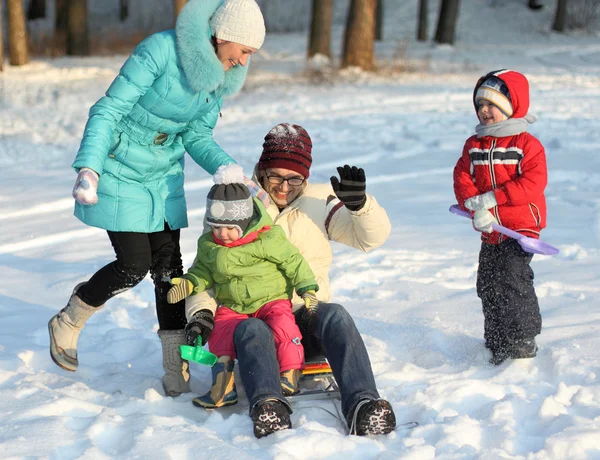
(500, 348)
(523, 349)
(372, 416)
(269, 416)
(499, 355)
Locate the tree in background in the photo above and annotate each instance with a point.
(422, 21)
(560, 16)
(447, 22)
(36, 9)
(17, 33)
(60, 26)
(1, 42)
(320, 28)
(71, 32)
(359, 35)
(77, 28)
(379, 20)
(577, 15)
(177, 6)
(123, 10)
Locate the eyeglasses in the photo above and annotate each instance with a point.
(292, 181)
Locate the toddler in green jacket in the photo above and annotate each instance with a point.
(254, 270)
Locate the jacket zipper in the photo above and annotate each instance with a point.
(493, 180)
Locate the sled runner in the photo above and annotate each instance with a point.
(318, 383)
(317, 370)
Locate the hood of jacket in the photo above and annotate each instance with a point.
(518, 87)
(196, 52)
(260, 218)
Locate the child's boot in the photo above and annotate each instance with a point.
(289, 381)
(499, 346)
(177, 375)
(64, 329)
(222, 392)
(499, 355)
(523, 349)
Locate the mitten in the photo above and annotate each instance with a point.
(483, 220)
(257, 191)
(201, 324)
(181, 289)
(86, 185)
(484, 201)
(310, 301)
(351, 188)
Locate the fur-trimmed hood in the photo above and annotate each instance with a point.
(196, 53)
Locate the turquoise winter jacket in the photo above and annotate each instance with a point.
(166, 100)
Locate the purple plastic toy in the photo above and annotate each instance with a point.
(528, 244)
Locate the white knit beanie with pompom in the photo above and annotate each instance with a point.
(239, 21)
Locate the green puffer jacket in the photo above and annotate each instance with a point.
(165, 101)
(248, 276)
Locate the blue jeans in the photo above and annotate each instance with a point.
(333, 334)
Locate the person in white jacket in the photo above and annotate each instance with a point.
(311, 216)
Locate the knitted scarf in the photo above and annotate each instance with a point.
(504, 128)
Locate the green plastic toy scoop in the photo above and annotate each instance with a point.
(198, 354)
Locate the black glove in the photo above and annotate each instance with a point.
(351, 188)
(306, 321)
(201, 324)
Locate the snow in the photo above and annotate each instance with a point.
(413, 300)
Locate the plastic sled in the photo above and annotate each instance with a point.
(317, 370)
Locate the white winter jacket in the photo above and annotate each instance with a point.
(310, 222)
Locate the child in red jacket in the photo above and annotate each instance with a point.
(501, 176)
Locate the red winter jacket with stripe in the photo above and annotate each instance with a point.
(514, 167)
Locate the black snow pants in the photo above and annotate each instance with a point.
(137, 254)
(505, 286)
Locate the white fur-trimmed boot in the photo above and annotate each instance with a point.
(177, 374)
(64, 329)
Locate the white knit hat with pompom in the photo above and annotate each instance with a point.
(239, 21)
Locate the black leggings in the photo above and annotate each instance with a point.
(138, 254)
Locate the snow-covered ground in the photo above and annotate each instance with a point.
(413, 299)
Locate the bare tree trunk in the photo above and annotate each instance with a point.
(422, 22)
(1, 41)
(177, 6)
(77, 28)
(447, 22)
(320, 28)
(60, 26)
(379, 20)
(560, 16)
(36, 9)
(123, 10)
(17, 33)
(359, 35)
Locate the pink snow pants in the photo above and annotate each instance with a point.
(278, 316)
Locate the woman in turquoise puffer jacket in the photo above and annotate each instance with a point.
(165, 101)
